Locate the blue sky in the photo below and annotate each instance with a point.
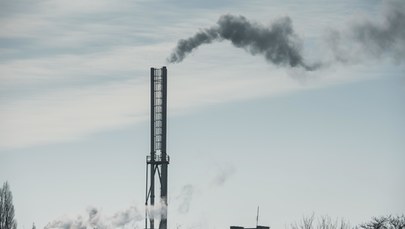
(242, 132)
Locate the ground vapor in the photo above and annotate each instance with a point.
(127, 218)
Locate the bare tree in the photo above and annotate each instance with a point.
(324, 222)
(306, 223)
(385, 222)
(7, 220)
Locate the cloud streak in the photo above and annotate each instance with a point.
(62, 97)
(70, 114)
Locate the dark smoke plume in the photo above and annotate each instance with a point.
(384, 37)
(277, 43)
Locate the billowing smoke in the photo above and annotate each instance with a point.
(380, 37)
(277, 43)
(185, 196)
(368, 38)
(123, 219)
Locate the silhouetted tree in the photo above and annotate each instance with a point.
(326, 222)
(7, 220)
(33, 226)
(385, 222)
(323, 222)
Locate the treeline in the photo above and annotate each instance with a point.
(326, 222)
(7, 220)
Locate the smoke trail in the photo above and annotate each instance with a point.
(186, 196)
(277, 43)
(94, 219)
(223, 175)
(372, 38)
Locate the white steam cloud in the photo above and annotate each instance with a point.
(94, 219)
(158, 210)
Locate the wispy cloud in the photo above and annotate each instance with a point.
(71, 114)
(65, 114)
(71, 69)
(112, 64)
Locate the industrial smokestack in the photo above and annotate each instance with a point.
(278, 42)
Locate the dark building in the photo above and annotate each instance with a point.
(257, 224)
(257, 227)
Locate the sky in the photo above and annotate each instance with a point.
(243, 130)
